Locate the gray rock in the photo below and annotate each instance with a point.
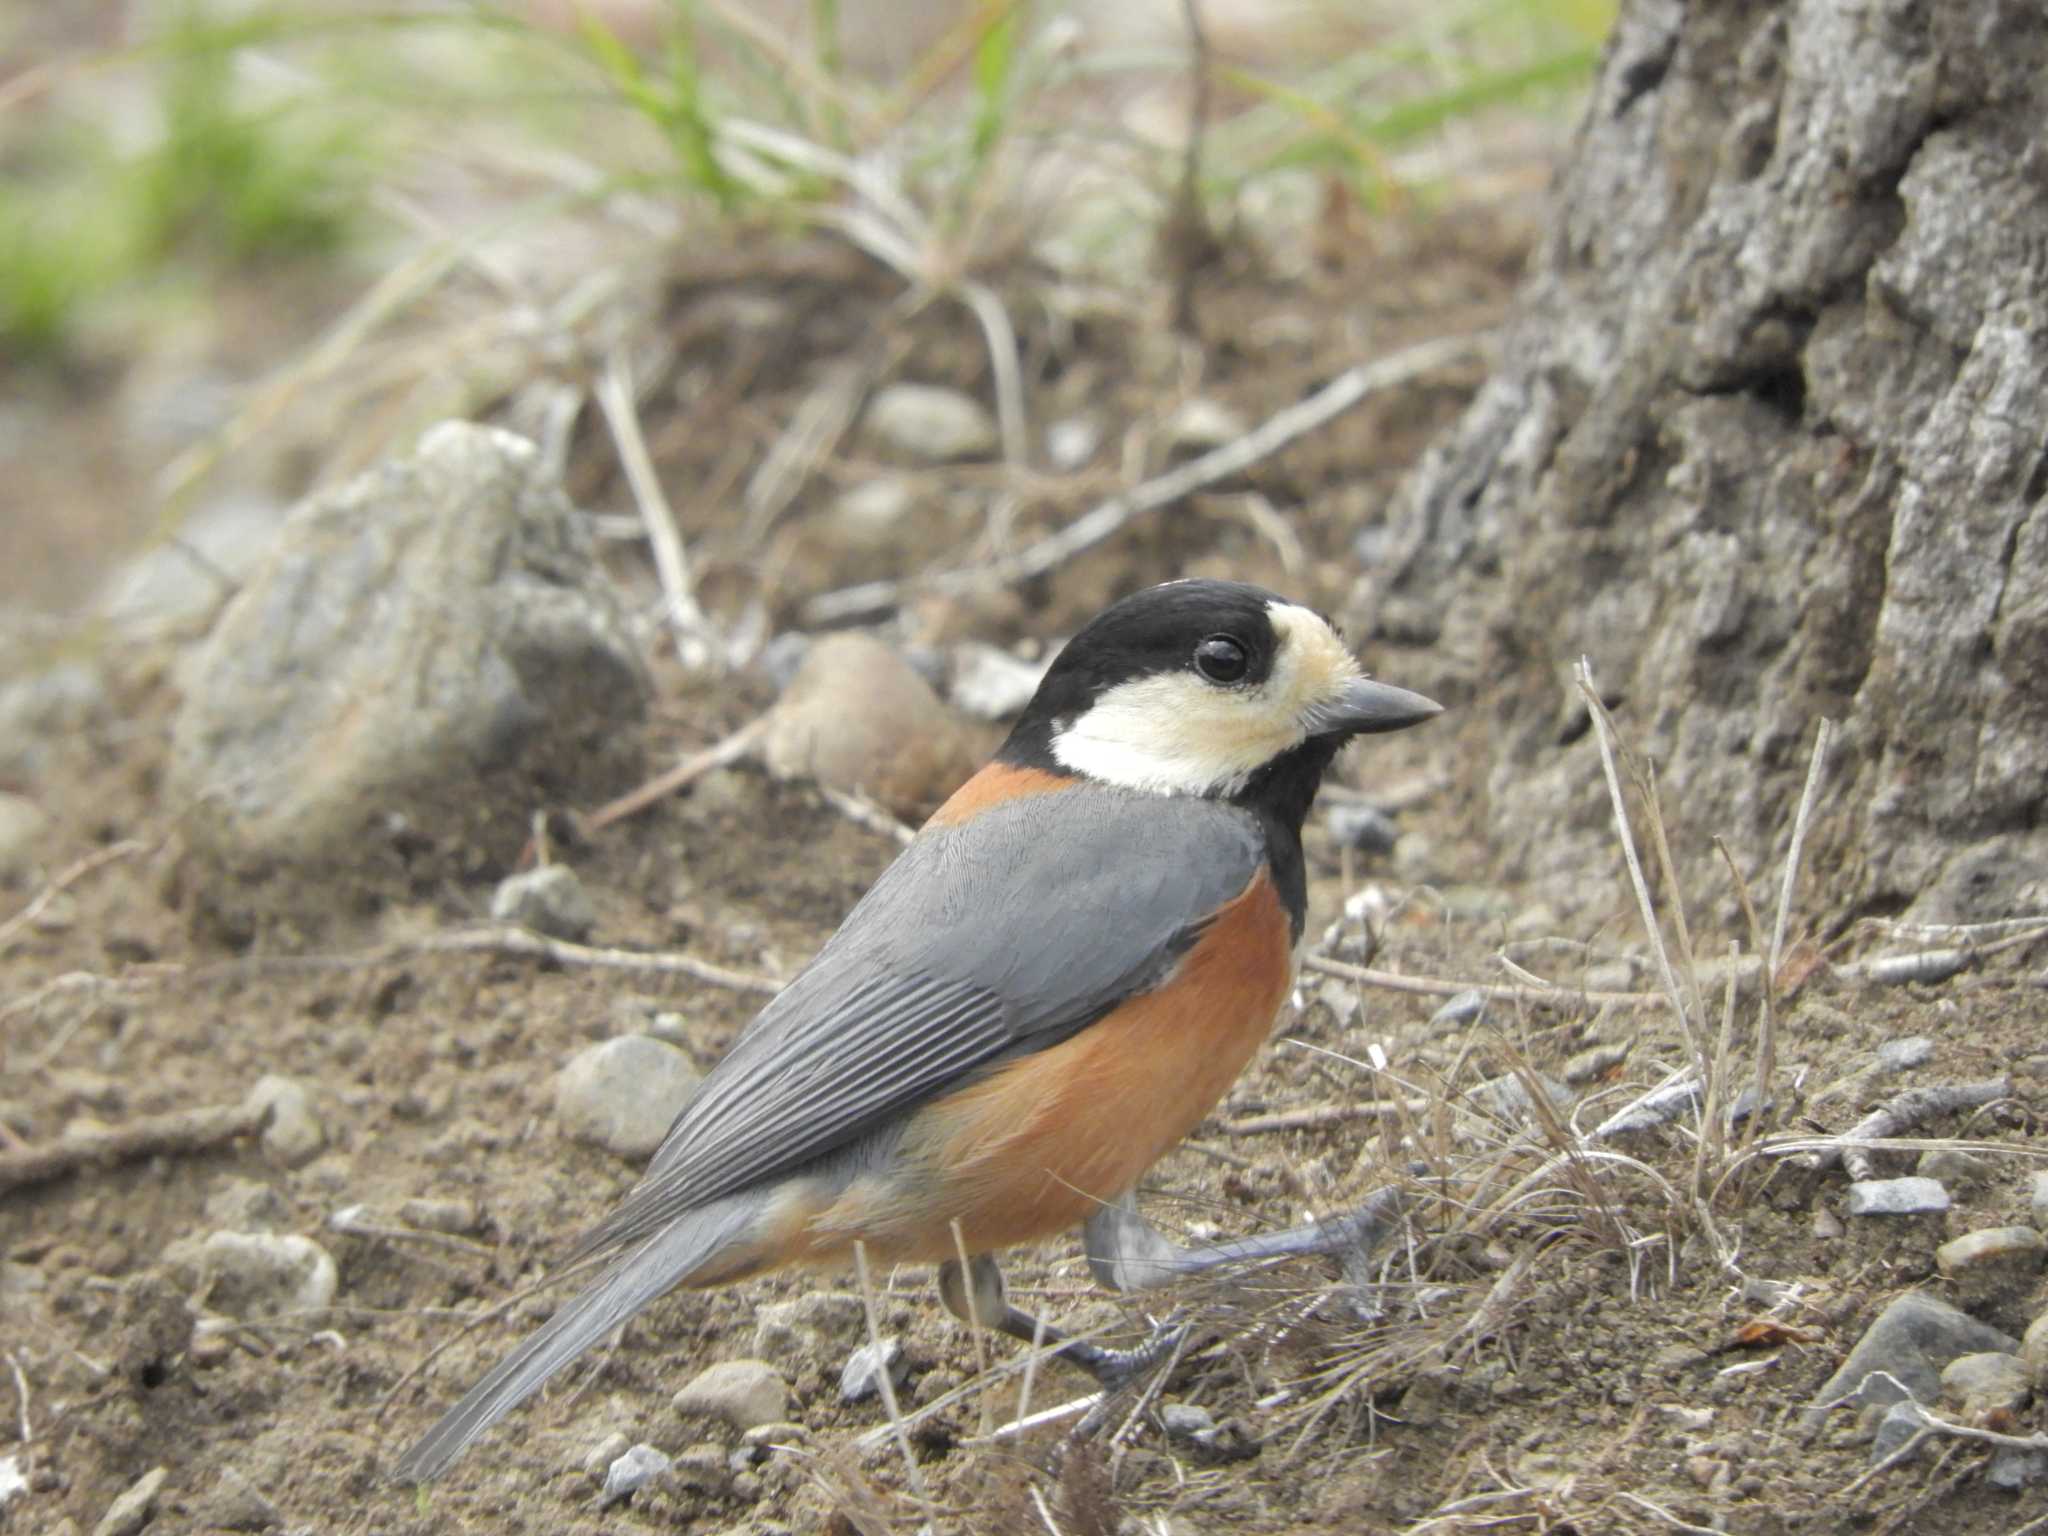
(2020, 1249)
(1911, 1341)
(639, 1466)
(624, 1094)
(1365, 828)
(236, 1504)
(931, 423)
(549, 900)
(1984, 1383)
(744, 1393)
(1507, 1097)
(1898, 1424)
(861, 1377)
(989, 683)
(294, 1134)
(135, 1507)
(423, 654)
(22, 822)
(258, 1276)
(2037, 1200)
(1896, 1197)
(1898, 1055)
(810, 1329)
(2013, 1469)
(1187, 1421)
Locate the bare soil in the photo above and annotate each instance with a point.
(1582, 1366)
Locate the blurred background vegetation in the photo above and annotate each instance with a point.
(199, 198)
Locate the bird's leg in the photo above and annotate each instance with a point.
(977, 1296)
(1127, 1253)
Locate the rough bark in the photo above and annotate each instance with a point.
(1766, 442)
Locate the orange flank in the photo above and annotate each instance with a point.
(1034, 1148)
(995, 784)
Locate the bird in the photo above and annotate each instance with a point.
(1055, 981)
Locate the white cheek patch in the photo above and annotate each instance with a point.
(1175, 734)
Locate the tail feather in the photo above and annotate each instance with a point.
(697, 1242)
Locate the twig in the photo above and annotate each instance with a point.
(888, 1386)
(692, 631)
(1931, 1424)
(864, 813)
(1767, 1021)
(1906, 1110)
(1110, 517)
(1823, 738)
(1434, 986)
(1604, 735)
(182, 1132)
(721, 754)
(1316, 1116)
(1186, 235)
(27, 1431)
(66, 877)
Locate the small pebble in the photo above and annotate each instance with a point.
(1593, 1062)
(861, 1377)
(931, 423)
(134, 1508)
(1951, 1164)
(991, 684)
(1201, 424)
(1460, 1008)
(2038, 1200)
(1826, 1224)
(1187, 1421)
(598, 1460)
(1896, 1197)
(2019, 1248)
(624, 1094)
(549, 900)
(1902, 1354)
(261, 1275)
(293, 1135)
(638, 1467)
(1899, 1055)
(454, 1217)
(744, 1393)
(856, 716)
(236, 1504)
(867, 515)
(22, 822)
(1071, 441)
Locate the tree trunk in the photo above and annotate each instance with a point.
(1766, 442)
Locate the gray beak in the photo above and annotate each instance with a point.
(1369, 708)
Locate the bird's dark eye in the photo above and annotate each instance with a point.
(1221, 659)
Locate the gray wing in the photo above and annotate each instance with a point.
(1006, 933)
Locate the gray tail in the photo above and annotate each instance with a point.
(687, 1247)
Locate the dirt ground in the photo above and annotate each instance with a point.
(1559, 1349)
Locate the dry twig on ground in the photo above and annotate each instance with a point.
(180, 1133)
